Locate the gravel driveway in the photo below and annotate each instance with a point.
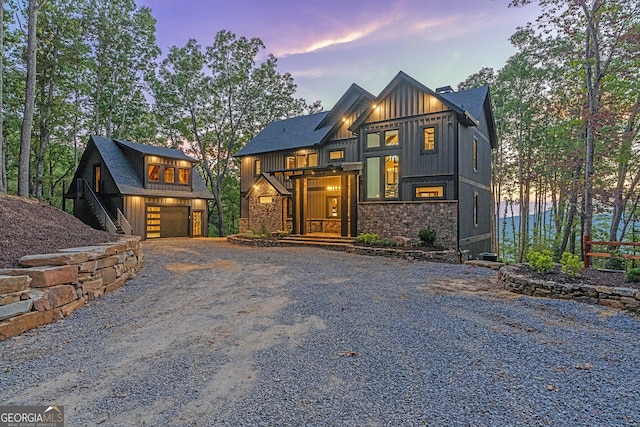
(215, 334)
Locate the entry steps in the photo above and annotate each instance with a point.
(325, 241)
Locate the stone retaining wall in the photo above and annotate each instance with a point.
(51, 286)
(621, 298)
(447, 255)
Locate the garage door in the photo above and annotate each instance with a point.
(167, 221)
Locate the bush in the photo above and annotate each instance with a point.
(633, 275)
(427, 235)
(571, 264)
(368, 238)
(542, 262)
(615, 261)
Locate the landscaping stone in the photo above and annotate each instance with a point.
(57, 259)
(15, 309)
(55, 296)
(69, 308)
(10, 298)
(45, 276)
(27, 321)
(10, 283)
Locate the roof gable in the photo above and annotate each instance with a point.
(152, 150)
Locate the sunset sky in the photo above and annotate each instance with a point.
(328, 45)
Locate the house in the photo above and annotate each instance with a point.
(390, 164)
(131, 188)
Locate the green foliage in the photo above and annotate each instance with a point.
(542, 261)
(633, 275)
(261, 232)
(571, 264)
(427, 235)
(368, 238)
(615, 261)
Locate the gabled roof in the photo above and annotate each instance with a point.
(273, 182)
(288, 134)
(474, 101)
(305, 131)
(124, 175)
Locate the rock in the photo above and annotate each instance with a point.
(116, 284)
(109, 275)
(613, 303)
(55, 296)
(69, 308)
(402, 241)
(19, 324)
(604, 290)
(107, 262)
(92, 285)
(46, 276)
(61, 258)
(11, 283)
(15, 309)
(6, 299)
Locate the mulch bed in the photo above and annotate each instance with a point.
(28, 227)
(587, 276)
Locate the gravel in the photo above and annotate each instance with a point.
(237, 336)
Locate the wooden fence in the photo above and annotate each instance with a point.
(588, 250)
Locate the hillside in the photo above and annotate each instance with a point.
(28, 227)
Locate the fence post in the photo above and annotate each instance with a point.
(586, 243)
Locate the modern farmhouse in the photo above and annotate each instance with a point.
(390, 164)
(131, 188)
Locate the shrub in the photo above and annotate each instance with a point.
(633, 275)
(368, 238)
(615, 261)
(571, 264)
(542, 262)
(427, 235)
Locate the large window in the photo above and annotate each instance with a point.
(169, 175)
(429, 138)
(312, 160)
(373, 177)
(391, 177)
(301, 161)
(373, 139)
(391, 137)
(430, 192)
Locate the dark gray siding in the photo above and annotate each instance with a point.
(135, 210)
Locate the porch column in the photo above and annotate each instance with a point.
(353, 204)
(344, 205)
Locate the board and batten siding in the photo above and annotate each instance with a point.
(135, 209)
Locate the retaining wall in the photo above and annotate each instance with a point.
(49, 287)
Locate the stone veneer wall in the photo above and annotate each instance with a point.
(406, 219)
(52, 286)
(267, 215)
(621, 298)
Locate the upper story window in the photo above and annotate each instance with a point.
(430, 192)
(169, 174)
(290, 162)
(256, 167)
(429, 138)
(391, 176)
(183, 176)
(312, 160)
(301, 161)
(373, 139)
(154, 173)
(336, 155)
(475, 154)
(391, 137)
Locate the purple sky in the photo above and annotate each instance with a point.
(327, 45)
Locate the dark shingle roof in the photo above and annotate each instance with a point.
(471, 100)
(288, 134)
(127, 180)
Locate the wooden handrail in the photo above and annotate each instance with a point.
(588, 252)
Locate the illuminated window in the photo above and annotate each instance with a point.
(373, 139)
(429, 139)
(373, 177)
(183, 176)
(475, 154)
(196, 229)
(391, 175)
(391, 137)
(475, 209)
(436, 192)
(256, 167)
(301, 161)
(169, 175)
(313, 160)
(291, 162)
(153, 222)
(154, 173)
(336, 155)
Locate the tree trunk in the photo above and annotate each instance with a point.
(573, 207)
(3, 169)
(30, 96)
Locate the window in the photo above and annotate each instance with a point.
(153, 222)
(391, 174)
(290, 162)
(312, 161)
(435, 192)
(154, 173)
(475, 209)
(373, 177)
(169, 175)
(97, 176)
(196, 229)
(475, 154)
(183, 176)
(429, 139)
(373, 139)
(336, 155)
(256, 167)
(301, 161)
(333, 207)
(391, 137)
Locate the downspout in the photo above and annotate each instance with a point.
(457, 178)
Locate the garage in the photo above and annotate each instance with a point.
(167, 221)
